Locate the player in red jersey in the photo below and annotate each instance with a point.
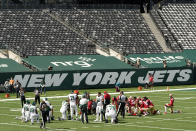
(150, 106)
(115, 102)
(132, 106)
(143, 108)
(170, 105)
(150, 81)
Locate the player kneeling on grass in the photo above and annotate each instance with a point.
(63, 110)
(83, 107)
(34, 113)
(111, 112)
(27, 111)
(143, 108)
(170, 105)
(132, 110)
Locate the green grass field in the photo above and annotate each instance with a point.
(184, 101)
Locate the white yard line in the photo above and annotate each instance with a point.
(8, 115)
(156, 127)
(18, 125)
(170, 119)
(13, 124)
(116, 93)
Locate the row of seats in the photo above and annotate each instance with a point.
(34, 32)
(180, 20)
(123, 29)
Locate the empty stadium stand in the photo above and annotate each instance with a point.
(171, 41)
(178, 21)
(33, 32)
(123, 29)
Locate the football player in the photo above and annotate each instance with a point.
(115, 102)
(27, 111)
(73, 100)
(150, 105)
(99, 108)
(132, 105)
(63, 110)
(111, 112)
(143, 108)
(170, 105)
(34, 113)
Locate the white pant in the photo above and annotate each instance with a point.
(23, 114)
(27, 115)
(99, 114)
(63, 112)
(33, 117)
(74, 108)
(113, 116)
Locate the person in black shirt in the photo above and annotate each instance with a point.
(43, 87)
(22, 97)
(17, 86)
(37, 96)
(44, 110)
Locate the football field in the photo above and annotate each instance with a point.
(185, 101)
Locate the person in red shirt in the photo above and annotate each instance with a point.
(132, 105)
(106, 102)
(115, 102)
(90, 102)
(143, 107)
(170, 105)
(149, 105)
(150, 81)
(137, 104)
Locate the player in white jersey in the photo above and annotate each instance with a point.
(23, 114)
(99, 108)
(111, 112)
(63, 110)
(73, 98)
(27, 111)
(33, 113)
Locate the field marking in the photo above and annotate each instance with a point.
(18, 125)
(97, 126)
(13, 124)
(171, 119)
(116, 93)
(156, 127)
(5, 107)
(8, 115)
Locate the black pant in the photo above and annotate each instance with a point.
(84, 112)
(37, 98)
(104, 107)
(48, 115)
(43, 89)
(11, 89)
(23, 100)
(17, 93)
(44, 118)
(122, 109)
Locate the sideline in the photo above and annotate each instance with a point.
(116, 93)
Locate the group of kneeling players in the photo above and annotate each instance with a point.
(106, 107)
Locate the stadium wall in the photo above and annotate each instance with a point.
(94, 79)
